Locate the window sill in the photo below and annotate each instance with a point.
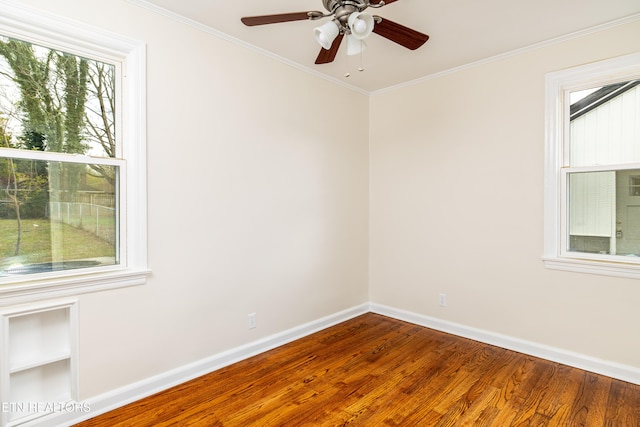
(37, 290)
(607, 268)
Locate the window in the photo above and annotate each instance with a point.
(72, 158)
(592, 168)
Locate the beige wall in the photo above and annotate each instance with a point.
(457, 207)
(254, 205)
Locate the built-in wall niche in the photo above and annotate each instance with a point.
(38, 367)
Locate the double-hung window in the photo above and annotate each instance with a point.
(592, 168)
(72, 158)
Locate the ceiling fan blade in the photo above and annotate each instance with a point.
(385, 1)
(325, 56)
(274, 19)
(404, 36)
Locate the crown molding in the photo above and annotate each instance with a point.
(516, 52)
(224, 36)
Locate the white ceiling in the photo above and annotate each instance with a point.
(461, 32)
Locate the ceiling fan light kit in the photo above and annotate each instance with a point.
(348, 20)
(360, 25)
(326, 34)
(355, 46)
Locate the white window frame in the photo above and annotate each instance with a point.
(558, 87)
(129, 56)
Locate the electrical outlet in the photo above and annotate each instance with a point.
(442, 300)
(252, 321)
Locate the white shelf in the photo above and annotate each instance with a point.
(50, 383)
(38, 363)
(38, 335)
(40, 360)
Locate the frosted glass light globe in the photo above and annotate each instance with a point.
(359, 26)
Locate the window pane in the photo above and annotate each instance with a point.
(605, 125)
(604, 212)
(57, 216)
(55, 101)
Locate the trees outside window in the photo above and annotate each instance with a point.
(56, 215)
(70, 183)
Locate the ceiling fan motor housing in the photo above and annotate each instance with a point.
(342, 9)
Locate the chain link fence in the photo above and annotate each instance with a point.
(96, 219)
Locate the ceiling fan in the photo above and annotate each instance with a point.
(348, 19)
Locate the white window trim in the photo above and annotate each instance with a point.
(558, 86)
(41, 27)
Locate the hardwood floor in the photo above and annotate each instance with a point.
(377, 371)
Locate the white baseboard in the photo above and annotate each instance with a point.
(136, 391)
(604, 367)
(142, 389)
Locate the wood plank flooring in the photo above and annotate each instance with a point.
(377, 371)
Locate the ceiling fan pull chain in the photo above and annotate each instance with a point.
(360, 68)
(347, 74)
